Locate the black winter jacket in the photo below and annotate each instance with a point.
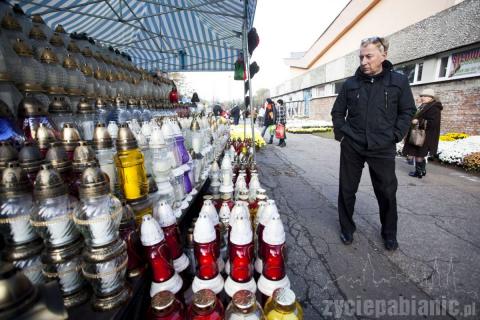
(374, 112)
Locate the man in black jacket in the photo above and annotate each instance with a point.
(371, 113)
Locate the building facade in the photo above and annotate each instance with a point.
(435, 43)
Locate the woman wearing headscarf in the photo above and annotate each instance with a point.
(428, 117)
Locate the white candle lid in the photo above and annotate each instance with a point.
(209, 209)
(274, 233)
(146, 129)
(226, 163)
(150, 231)
(241, 232)
(226, 188)
(224, 211)
(163, 213)
(141, 140)
(167, 130)
(266, 214)
(204, 231)
(215, 167)
(156, 139)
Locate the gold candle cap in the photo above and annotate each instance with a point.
(125, 138)
(49, 183)
(36, 18)
(101, 137)
(48, 56)
(56, 40)
(7, 153)
(59, 29)
(14, 180)
(70, 136)
(29, 157)
(44, 136)
(84, 106)
(83, 156)
(57, 157)
(37, 33)
(22, 49)
(162, 300)
(69, 62)
(59, 105)
(10, 23)
(94, 182)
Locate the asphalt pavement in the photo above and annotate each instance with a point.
(435, 273)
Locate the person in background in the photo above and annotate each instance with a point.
(282, 119)
(270, 116)
(235, 114)
(261, 115)
(428, 117)
(370, 115)
(195, 99)
(217, 110)
(173, 96)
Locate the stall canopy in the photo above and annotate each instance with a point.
(166, 35)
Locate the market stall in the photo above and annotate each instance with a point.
(103, 172)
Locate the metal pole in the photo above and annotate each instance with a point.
(247, 69)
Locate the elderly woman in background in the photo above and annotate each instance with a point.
(428, 117)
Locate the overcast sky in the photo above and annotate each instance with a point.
(284, 27)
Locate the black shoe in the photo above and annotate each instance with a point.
(284, 144)
(415, 174)
(347, 238)
(418, 173)
(270, 141)
(391, 244)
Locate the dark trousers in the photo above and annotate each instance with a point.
(384, 181)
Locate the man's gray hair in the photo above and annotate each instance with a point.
(381, 43)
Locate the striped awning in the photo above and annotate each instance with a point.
(166, 35)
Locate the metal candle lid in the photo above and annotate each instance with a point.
(62, 254)
(93, 182)
(29, 157)
(85, 107)
(44, 136)
(204, 299)
(31, 107)
(58, 158)
(7, 154)
(162, 300)
(10, 23)
(59, 105)
(244, 300)
(83, 156)
(70, 136)
(48, 183)
(125, 139)
(284, 297)
(14, 181)
(101, 137)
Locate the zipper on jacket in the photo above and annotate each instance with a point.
(386, 99)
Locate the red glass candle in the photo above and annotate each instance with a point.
(128, 233)
(156, 249)
(273, 261)
(172, 237)
(205, 254)
(240, 256)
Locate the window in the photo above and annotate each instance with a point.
(443, 67)
(419, 71)
(407, 70)
(413, 71)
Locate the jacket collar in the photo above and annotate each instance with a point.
(387, 66)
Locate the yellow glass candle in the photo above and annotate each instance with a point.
(130, 166)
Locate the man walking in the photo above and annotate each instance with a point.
(371, 113)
